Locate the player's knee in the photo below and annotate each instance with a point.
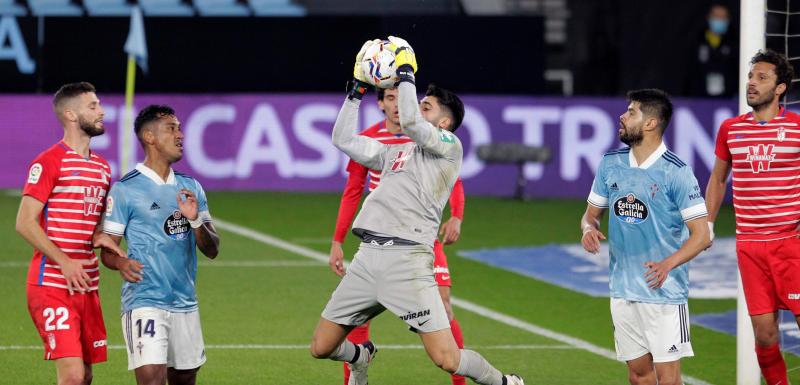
(446, 361)
(766, 336)
(71, 378)
(671, 380)
(319, 352)
(639, 378)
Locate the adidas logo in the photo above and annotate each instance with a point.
(614, 187)
(673, 349)
(155, 206)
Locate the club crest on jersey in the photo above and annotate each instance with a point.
(92, 199)
(399, 160)
(760, 156)
(781, 134)
(176, 226)
(629, 209)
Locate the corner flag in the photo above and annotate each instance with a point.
(136, 48)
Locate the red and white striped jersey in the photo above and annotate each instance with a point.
(380, 133)
(73, 190)
(765, 159)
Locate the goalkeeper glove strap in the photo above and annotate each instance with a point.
(356, 89)
(405, 73)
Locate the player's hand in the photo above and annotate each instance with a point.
(77, 279)
(403, 53)
(130, 269)
(358, 74)
(451, 230)
(657, 273)
(591, 240)
(104, 241)
(336, 260)
(187, 206)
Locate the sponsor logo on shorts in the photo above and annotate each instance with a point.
(420, 323)
(794, 295)
(176, 226)
(673, 349)
(99, 344)
(51, 341)
(415, 315)
(441, 270)
(35, 173)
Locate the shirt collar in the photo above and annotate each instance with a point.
(148, 172)
(662, 148)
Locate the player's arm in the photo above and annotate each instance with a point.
(715, 191)
(451, 230)
(353, 191)
(129, 269)
(27, 225)
(200, 220)
(698, 241)
(590, 226)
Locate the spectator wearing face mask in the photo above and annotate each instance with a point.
(713, 68)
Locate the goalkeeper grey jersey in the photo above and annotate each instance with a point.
(417, 177)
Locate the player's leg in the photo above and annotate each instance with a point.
(441, 273)
(93, 333)
(186, 352)
(641, 371)
(762, 296)
(667, 334)
(182, 377)
(359, 335)
(70, 371)
(146, 331)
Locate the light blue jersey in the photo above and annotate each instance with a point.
(144, 209)
(649, 204)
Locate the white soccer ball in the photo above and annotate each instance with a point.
(378, 65)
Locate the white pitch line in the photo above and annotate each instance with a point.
(305, 347)
(223, 263)
(464, 304)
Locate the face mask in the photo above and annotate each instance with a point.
(718, 26)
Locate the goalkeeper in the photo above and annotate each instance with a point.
(398, 222)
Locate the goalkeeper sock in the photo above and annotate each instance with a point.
(772, 365)
(474, 366)
(357, 336)
(455, 328)
(347, 351)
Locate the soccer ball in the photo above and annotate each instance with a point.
(378, 65)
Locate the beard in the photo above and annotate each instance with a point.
(631, 138)
(763, 101)
(90, 128)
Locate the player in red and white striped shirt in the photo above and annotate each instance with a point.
(762, 148)
(59, 215)
(389, 132)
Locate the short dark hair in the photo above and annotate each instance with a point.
(71, 90)
(381, 93)
(149, 114)
(783, 69)
(451, 102)
(654, 103)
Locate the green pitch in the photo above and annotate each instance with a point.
(259, 304)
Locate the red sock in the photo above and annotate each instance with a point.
(357, 336)
(773, 368)
(456, 329)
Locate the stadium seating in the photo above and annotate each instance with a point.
(166, 8)
(8, 7)
(276, 8)
(220, 8)
(107, 7)
(54, 8)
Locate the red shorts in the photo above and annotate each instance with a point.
(70, 325)
(770, 274)
(440, 270)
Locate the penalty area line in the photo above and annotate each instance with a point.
(461, 303)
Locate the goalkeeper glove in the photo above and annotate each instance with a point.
(359, 85)
(405, 59)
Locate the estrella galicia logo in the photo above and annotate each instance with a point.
(629, 209)
(176, 226)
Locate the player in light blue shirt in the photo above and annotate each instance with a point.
(164, 217)
(657, 224)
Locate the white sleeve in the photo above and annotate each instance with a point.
(367, 151)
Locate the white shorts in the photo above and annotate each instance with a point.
(160, 337)
(398, 278)
(659, 329)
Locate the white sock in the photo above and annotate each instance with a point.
(347, 351)
(474, 366)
